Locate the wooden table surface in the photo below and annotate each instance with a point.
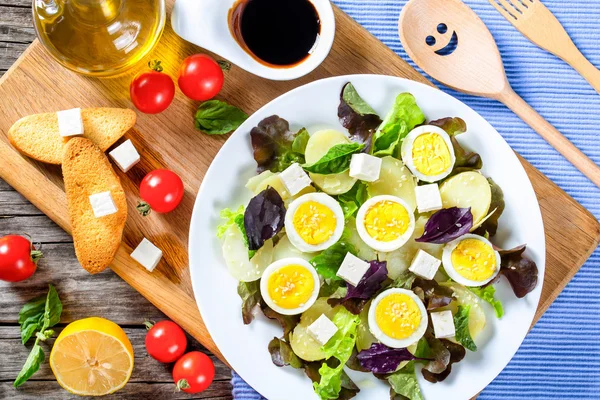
(82, 295)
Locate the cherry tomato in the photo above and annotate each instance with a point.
(200, 77)
(166, 341)
(152, 91)
(161, 191)
(18, 258)
(193, 372)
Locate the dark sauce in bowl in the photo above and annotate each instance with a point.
(278, 33)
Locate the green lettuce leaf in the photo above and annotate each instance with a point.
(329, 261)
(336, 160)
(215, 117)
(404, 382)
(487, 294)
(234, 218)
(357, 116)
(403, 117)
(461, 324)
(300, 141)
(353, 199)
(404, 281)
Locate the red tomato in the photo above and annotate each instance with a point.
(152, 92)
(200, 77)
(166, 341)
(18, 258)
(193, 372)
(161, 191)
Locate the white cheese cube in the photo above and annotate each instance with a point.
(424, 265)
(125, 155)
(102, 204)
(70, 122)
(443, 324)
(428, 198)
(352, 269)
(365, 167)
(147, 254)
(322, 329)
(294, 179)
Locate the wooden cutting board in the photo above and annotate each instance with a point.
(37, 84)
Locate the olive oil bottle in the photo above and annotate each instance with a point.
(99, 37)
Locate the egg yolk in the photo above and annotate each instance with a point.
(430, 154)
(291, 286)
(398, 316)
(314, 222)
(474, 260)
(386, 221)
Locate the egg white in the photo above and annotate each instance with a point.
(407, 149)
(328, 202)
(449, 268)
(389, 341)
(375, 244)
(264, 290)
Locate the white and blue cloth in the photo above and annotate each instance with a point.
(560, 358)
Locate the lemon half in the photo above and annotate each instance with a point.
(92, 357)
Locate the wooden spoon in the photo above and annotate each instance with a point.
(453, 45)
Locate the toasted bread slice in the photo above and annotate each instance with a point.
(87, 171)
(37, 136)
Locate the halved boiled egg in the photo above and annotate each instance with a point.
(427, 151)
(385, 223)
(397, 318)
(290, 286)
(314, 222)
(471, 260)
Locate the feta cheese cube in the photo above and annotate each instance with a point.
(102, 204)
(352, 269)
(294, 179)
(443, 324)
(365, 167)
(424, 265)
(125, 155)
(70, 122)
(322, 329)
(147, 254)
(428, 198)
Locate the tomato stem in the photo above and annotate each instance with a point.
(143, 208)
(224, 64)
(36, 255)
(155, 65)
(149, 324)
(182, 384)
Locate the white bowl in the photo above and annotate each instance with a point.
(206, 23)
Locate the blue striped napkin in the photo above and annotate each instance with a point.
(560, 358)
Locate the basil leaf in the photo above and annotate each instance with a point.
(356, 103)
(487, 294)
(329, 261)
(353, 199)
(404, 382)
(300, 141)
(215, 117)
(32, 365)
(336, 160)
(53, 309)
(31, 317)
(461, 324)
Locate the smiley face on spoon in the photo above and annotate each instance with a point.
(449, 48)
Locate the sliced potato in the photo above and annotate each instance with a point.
(285, 249)
(468, 189)
(256, 180)
(364, 337)
(318, 145)
(302, 343)
(236, 256)
(396, 180)
(464, 297)
(267, 178)
(364, 251)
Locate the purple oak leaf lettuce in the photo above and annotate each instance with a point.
(264, 217)
(446, 225)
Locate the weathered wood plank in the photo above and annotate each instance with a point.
(12, 203)
(16, 3)
(82, 294)
(146, 369)
(16, 25)
(42, 228)
(9, 52)
(5, 187)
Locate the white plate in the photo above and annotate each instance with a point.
(314, 106)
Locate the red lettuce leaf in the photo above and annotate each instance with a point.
(282, 354)
(357, 116)
(251, 299)
(370, 283)
(287, 322)
(521, 272)
(445, 354)
(452, 125)
(435, 296)
(264, 217)
(272, 142)
(446, 225)
(497, 205)
(381, 359)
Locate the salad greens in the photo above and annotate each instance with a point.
(349, 307)
(215, 117)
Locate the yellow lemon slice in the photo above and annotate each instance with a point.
(92, 357)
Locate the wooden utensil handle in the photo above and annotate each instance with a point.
(575, 59)
(556, 139)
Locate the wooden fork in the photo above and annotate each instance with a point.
(539, 25)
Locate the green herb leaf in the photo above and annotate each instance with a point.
(487, 294)
(353, 199)
(215, 117)
(300, 141)
(31, 317)
(234, 218)
(336, 160)
(423, 349)
(329, 261)
(32, 365)
(461, 324)
(404, 281)
(404, 382)
(356, 103)
(53, 309)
